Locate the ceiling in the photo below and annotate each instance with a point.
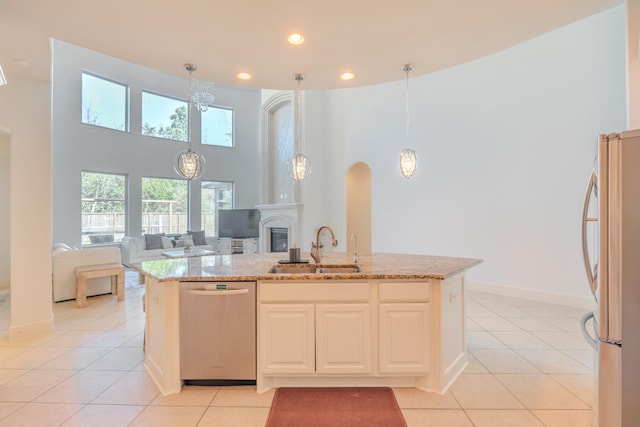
(371, 38)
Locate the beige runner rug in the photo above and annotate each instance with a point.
(335, 407)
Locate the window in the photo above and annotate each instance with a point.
(164, 117)
(217, 127)
(104, 103)
(103, 207)
(215, 196)
(164, 205)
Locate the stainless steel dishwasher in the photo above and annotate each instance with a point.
(218, 333)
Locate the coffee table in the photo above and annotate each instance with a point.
(187, 253)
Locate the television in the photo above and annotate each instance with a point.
(239, 223)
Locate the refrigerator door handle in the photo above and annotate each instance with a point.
(592, 271)
(593, 342)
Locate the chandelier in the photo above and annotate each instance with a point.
(199, 91)
(299, 166)
(190, 164)
(408, 157)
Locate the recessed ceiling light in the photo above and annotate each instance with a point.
(243, 75)
(347, 75)
(295, 38)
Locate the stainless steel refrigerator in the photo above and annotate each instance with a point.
(611, 248)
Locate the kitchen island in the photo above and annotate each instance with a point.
(397, 321)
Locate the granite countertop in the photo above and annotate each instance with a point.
(256, 266)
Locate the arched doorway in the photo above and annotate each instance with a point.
(358, 191)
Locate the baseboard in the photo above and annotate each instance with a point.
(532, 294)
(29, 330)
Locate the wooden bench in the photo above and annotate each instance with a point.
(116, 271)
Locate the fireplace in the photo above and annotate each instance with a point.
(279, 226)
(279, 239)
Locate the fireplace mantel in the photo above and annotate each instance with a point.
(281, 215)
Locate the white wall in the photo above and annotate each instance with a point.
(4, 210)
(78, 147)
(505, 147)
(633, 63)
(25, 112)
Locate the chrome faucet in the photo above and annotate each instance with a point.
(315, 246)
(355, 249)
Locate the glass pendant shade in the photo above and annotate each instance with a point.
(408, 158)
(408, 163)
(190, 164)
(201, 95)
(299, 167)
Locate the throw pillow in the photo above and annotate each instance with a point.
(178, 243)
(188, 240)
(167, 243)
(198, 237)
(153, 241)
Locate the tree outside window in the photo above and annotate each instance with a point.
(164, 205)
(104, 102)
(165, 117)
(103, 208)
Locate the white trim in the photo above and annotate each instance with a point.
(29, 330)
(587, 303)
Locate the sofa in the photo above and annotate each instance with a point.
(66, 259)
(138, 249)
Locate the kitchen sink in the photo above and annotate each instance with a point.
(292, 269)
(314, 268)
(338, 269)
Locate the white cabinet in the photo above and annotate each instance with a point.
(287, 340)
(227, 246)
(250, 246)
(404, 328)
(224, 246)
(343, 338)
(335, 333)
(404, 338)
(318, 328)
(308, 338)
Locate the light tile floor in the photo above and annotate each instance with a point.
(529, 366)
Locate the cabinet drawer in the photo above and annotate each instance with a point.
(404, 291)
(314, 291)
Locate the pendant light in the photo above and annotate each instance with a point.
(408, 157)
(299, 166)
(190, 164)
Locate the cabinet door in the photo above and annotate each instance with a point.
(343, 339)
(250, 246)
(286, 339)
(224, 246)
(404, 338)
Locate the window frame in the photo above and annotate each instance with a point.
(187, 213)
(217, 208)
(125, 202)
(127, 101)
(175, 98)
(233, 127)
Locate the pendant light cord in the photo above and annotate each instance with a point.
(298, 78)
(407, 69)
